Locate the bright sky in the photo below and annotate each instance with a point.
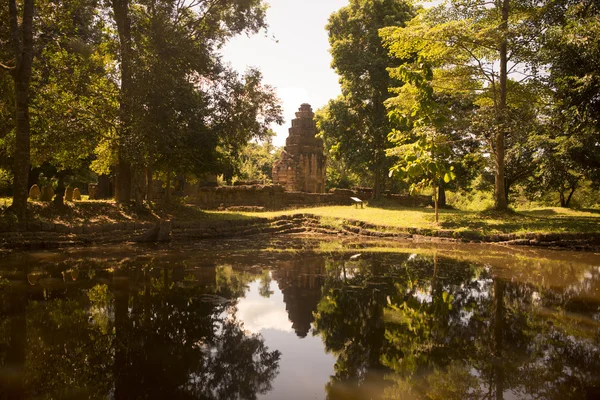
(293, 56)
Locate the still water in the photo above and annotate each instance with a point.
(241, 319)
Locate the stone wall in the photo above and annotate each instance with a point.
(275, 197)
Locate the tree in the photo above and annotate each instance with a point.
(20, 67)
(71, 89)
(356, 122)
(256, 162)
(120, 9)
(181, 96)
(469, 44)
(571, 55)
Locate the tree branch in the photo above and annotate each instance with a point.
(6, 67)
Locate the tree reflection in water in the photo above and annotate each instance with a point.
(400, 326)
(451, 330)
(131, 330)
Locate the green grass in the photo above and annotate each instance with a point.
(539, 220)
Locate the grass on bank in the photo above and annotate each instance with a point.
(539, 220)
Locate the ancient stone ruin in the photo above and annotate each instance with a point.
(47, 193)
(302, 164)
(35, 192)
(69, 194)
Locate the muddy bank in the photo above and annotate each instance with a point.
(48, 235)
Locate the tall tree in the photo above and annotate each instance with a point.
(172, 80)
(361, 62)
(120, 9)
(20, 66)
(571, 54)
(475, 46)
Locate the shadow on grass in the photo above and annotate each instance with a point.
(529, 221)
(108, 211)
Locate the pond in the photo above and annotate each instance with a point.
(322, 319)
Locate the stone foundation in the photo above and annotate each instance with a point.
(274, 197)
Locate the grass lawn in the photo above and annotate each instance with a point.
(541, 220)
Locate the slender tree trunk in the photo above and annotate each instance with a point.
(570, 196)
(123, 178)
(435, 201)
(34, 177)
(22, 41)
(442, 196)
(168, 186)
(507, 185)
(563, 202)
(123, 181)
(149, 183)
(377, 183)
(500, 200)
(59, 199)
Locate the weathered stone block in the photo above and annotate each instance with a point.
(35, 192)
(69, 194)
(76, 194)
(47, 193)
(92, 190)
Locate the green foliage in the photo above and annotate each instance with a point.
(256, 162)
(421, 162)
(355, 125)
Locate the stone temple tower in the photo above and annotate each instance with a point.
(301, 167)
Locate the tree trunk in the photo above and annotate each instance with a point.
(500, 199)
(377, 183)
(34, 177)
(22, 41)
(435, 201)
(123, 22)
(568, 201)
(168, 186)
(563, 202)
(507, 185)
(123, 181)
(442, 196)
(104, 190)
(59, 198)
(149, 183)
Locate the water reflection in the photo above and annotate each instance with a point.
(131, 330)
(254, 324)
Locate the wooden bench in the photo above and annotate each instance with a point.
(357, 201)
